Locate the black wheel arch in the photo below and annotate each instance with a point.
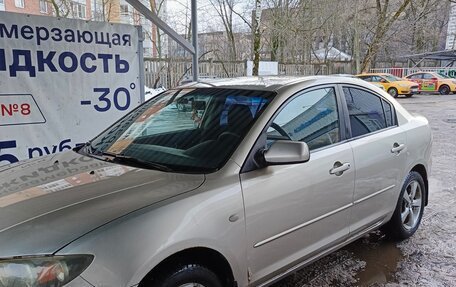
(419, 168)
(393, 88)
(211, 259)
(445, 86)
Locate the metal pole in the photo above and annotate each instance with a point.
(141, 64)
(194, 24)
(162, 25)
(94, 16)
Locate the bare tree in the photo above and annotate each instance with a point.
(225, 10)
(62, 8)
(385, 19)
(256, 37)
(155, 34)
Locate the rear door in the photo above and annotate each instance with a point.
(430, 83)
(379, 151)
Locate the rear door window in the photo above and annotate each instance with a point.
(416, 77)
(389, 114)
(428, 76)
(365, 111)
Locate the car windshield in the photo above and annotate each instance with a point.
(182, 130)
(392, 78)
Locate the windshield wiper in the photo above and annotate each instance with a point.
(120, 158)
(87, 148)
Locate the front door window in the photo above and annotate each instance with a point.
(311, 117)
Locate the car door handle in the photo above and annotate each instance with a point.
(339, 168)
(397, 148)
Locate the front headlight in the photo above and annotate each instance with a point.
(404, 85)
(43, 271)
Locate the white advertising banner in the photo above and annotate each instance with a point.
(265, 68)
(62, 81)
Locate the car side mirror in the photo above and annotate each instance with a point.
(287, 152)
(383, 81)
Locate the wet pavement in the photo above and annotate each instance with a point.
(426, 259)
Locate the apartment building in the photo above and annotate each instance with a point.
(154, 44)
(35, 7)
(115, 11)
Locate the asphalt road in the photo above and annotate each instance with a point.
(426, 259)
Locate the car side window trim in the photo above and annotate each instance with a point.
(427, 76)
(342, 117)
(372, 133)
(417, 76)
(348, 126)
(393, 114)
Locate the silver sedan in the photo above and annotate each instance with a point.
(254, 179)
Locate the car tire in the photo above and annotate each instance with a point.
(444, 90)
(393, 92)
(409, 208)
(193, 275)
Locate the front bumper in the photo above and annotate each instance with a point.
(409, 91)
(79, 282)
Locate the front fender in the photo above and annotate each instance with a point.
(128, 248)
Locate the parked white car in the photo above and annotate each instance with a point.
(257, 178)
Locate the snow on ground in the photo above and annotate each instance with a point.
(426, 259)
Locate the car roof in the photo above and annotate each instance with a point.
(374, 74)
(422, 72)
(267, 83)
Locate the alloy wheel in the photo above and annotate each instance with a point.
(412, 203)
(393, 92)
(444, 90)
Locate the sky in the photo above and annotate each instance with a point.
(208, 19)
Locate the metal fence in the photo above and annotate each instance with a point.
(296, 70)
(169, 73)
(402, 72)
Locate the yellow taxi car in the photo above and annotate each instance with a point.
(353, 76)
(433, 82)
(395, 86)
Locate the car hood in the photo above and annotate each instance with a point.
(46, 203)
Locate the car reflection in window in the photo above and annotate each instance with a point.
(185, 130)
(311, 117)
